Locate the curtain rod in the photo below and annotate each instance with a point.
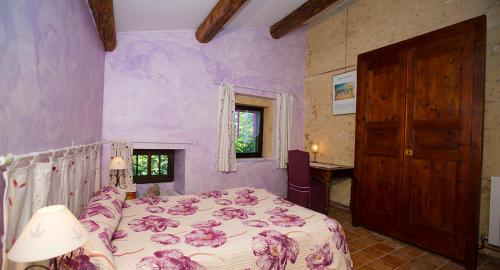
(150, 142)
(253, 88)
(192, 143)
(9, 158)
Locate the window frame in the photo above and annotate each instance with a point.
(260, 137)
(148, 179)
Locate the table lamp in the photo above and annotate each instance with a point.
(51, 232)
(315, 149)
(118, 164)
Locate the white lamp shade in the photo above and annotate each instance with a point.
(52, 231)
(117, 163)
(315, 147)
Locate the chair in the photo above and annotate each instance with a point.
(302, 190)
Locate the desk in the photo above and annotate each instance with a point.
(324, 172)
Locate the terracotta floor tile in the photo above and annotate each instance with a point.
(384, 248)
(362, 231)
(381, 265)
(494, 260)
(373, 251)
(352, 237)
(359, 259)
(417, 265)
(411, 250)
(393, 260)
(434, 259)
(481, 258)
(403, 256)
(352, 234)
(395, 244)
(452, 266)
(365, 267)
(489, 266)
(346, 220)
(357, 245)
(377, 237)
(368, 241)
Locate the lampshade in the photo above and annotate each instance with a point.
(315, 147)
(117, 163)
(52, 231)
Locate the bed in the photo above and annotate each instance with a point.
(241, 228)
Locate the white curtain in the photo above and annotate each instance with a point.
(67, 180)
(284, 105)
(96, 167)
(59, 181)
(226, 154)
(93, 171)
(25, 193)
(79, 192)
(125, 150)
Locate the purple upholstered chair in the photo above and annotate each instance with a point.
(301, 189)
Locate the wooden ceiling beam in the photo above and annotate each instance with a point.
(105, 22)
(220, 14)
(298, 17)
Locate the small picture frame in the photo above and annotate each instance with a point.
(344, 93)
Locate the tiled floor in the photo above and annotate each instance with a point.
(373, 251)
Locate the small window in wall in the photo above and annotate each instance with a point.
(249, 123)
(152, 166)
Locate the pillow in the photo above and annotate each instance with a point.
(105, 208)
(113, 191)
(92, 256)
(101, 217)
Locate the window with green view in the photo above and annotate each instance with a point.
(248, 122)
(153, 166)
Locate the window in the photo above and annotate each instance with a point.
(153, 166)
(249, 122)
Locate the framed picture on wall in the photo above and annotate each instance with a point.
(344, 93)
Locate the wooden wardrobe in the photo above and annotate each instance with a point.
(419, 126)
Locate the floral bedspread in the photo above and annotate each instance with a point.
(242, 228)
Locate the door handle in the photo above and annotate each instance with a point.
(409, 152)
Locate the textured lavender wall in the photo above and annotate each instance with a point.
(159, 86)
(51, 76)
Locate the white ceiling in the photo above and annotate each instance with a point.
(152, 15)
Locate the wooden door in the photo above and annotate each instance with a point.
(418, 144)
(379, 139)
(437, 183)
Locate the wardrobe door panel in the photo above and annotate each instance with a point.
(438, 129)
(419, 125)
(383, 96)
(436, 75)
(380, 135)
(433, 193)
(379, 185)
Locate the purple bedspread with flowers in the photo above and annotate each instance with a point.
(241, 228)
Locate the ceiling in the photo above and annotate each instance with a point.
(153, 15)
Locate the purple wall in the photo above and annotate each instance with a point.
(51, 76)
(159, 86)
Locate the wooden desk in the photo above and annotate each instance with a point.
(324, 172)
